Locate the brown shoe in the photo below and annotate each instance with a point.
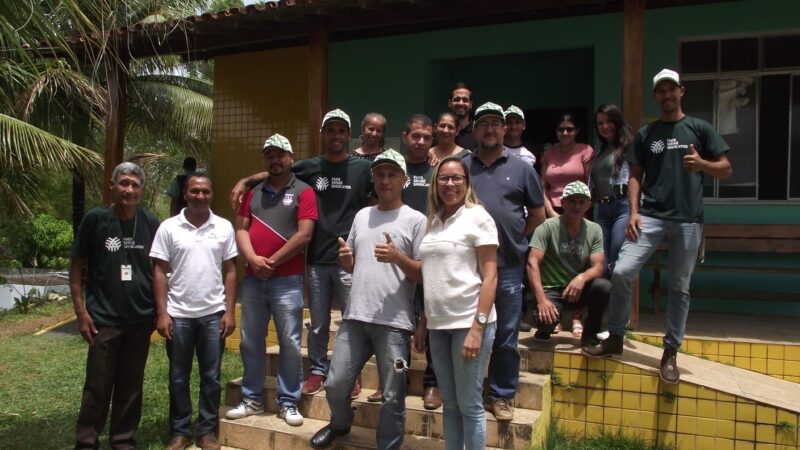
(208, 442)
(502, 410)
(179, 442)
(432, 398)
(375, 397)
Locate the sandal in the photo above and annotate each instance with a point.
(557, 329)
(577, 329)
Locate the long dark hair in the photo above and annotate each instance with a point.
(623, 136)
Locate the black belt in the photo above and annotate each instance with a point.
(620, 191)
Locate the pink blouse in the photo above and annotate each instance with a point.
(560, 169)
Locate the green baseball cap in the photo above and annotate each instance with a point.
(279, 142)
(337, 115)
(576, 188)
(514, 111)
(489, 109)
(391, 157)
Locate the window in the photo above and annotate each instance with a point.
(748, 88)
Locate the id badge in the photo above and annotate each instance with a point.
(126, 272)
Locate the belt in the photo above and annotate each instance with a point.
(620, 191)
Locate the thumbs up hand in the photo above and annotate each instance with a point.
(387, 252)
(692, 160)
(345, 254)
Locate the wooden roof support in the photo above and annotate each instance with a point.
(633, 62)
(318, 66)
(117, 75)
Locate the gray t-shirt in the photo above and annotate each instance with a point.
(381, 293)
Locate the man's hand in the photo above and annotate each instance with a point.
(572, 293)
(164, 326)
(87, 328)
(548, 313)
(692, 161)
(472, 343)
(345, 254)
(418, 340)
(387, 252)
(227, 324)
(261, 266)
(634, 226)
(237, 193)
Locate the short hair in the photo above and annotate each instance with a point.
(195, 175)
(461, 85)
(420, 119)
(127, 168)
(189, 163)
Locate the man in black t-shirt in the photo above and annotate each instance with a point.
(460, 104)
(667, 166)
(118, 316)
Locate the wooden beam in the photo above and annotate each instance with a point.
(318, 62)
(117, 75)
(633, 62)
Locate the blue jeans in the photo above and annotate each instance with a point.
(461, 385)
(282, 299)
(613, 218)
(200, 335)
(356, 342)
(325, 281)
(504, 362)
(683, 240)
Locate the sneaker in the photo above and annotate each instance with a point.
(291, 415)
(208, 442)
(313, 384)
(611, 346)
(502, 410)
(525, 327)
(244, 409)
(356, 388)
(669, 367)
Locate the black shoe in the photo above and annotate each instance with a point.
(669, 367)
(611, 346)
(588, 340)
(325, 436)
(525, 327)
(541, 335)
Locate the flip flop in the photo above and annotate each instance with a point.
(577, 330)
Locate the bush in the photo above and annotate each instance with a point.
(43, 241)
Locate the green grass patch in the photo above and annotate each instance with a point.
(46, 309)
(40, 391)
(558, 439)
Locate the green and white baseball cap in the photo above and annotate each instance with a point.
(391, 157)
(576, 188)
(489, 109)
(514, 111)
(337, 115)
(279, 142)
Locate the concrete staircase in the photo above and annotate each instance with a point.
(423, 428)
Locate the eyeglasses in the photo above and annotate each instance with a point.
(457, 180)
(496, 124)
(565, 129)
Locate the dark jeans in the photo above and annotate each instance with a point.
(594, 297)
(200, 335)
(114, 373)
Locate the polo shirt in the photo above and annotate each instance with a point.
(195, 255)
(506, 189)
(274, 217)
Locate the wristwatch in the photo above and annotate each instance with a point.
(482, 319)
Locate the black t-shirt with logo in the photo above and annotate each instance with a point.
(669, 191)
(342, 189)
(415, 192)
(106, 243)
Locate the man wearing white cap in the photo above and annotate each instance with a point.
(565, 266)
(515, 126)
(273, 226)
(342, 185)
(511, 191)
(382, 253)
(668, 164)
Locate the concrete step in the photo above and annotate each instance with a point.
(529, 392)
(419, 422)
(268, 432)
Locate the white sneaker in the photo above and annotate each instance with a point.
(244, 409)
(291, 415)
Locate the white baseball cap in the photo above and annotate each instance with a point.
(666, 75)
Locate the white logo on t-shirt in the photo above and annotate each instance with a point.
(408, 183)
(322, 183)
(288, 197)
(113, 244)
(657, 147)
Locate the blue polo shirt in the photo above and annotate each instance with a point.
(506, 188)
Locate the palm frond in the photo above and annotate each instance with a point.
(62, 82)
(17, 190)
(179, 113)
(197, 85)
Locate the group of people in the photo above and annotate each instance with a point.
(425, 251)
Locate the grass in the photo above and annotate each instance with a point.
(558, 439)
(42, 378)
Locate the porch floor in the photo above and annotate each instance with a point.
(734, 327)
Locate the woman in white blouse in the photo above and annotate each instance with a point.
(459, 268)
